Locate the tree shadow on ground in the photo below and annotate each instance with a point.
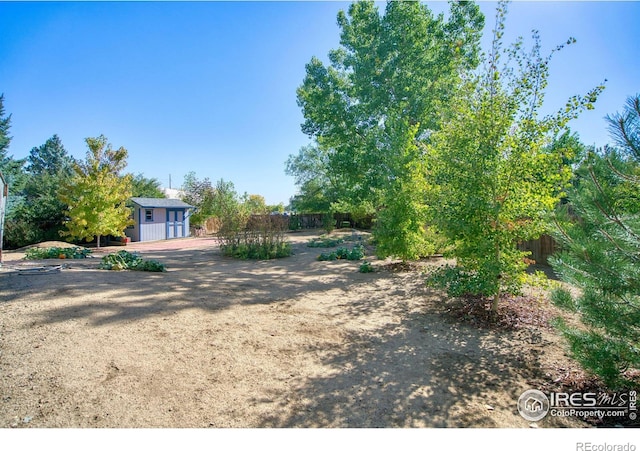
(196, 279)
(398, 362)
(421, 372)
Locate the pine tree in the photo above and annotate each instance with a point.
(41, 215)
(97, 193)
(600, 235)
(11, 168)
(5, 125)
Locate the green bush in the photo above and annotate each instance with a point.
(36, 253)
(366, 267)
(457, 282)
(325, 242)
(261, 237)
(257, 250)
(328, 222)
(122, 260)
(343, 253)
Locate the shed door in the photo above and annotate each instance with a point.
(175, 223)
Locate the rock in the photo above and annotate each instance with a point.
(488, 407)
(533, 425)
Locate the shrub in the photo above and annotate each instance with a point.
(366, 267)
(457, 282)
(325, 242)
(343, 253)
(122, 260)
(37, 253)
(260, 237)
(328, 222)
(257, 251)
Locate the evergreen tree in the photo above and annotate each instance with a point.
(600, 235)
(5, 125)
(40, 214)
(12, 169)
(51, 157)
(97, 194)
(145, 187)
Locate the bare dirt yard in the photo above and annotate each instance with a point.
(218, 342)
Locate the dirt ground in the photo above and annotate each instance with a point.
(221, 343)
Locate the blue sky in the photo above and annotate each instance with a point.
(210, 86)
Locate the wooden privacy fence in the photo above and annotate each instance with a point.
(540, 249)
(316, 221)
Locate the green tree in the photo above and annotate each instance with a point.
(599, 231)
(5, 126)
(495, 172)
(41, 214)
(11, 168)
(380, 94)
(226, 203)
(97, 194)
(317, 186)
(256, 205)
(220, 201)
(51, 157)
(279, 208)
(142, 186)
(200, 194)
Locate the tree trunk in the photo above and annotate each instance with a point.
(494, 303)
(98, 245)
(496, 297)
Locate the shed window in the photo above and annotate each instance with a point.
(148, 215)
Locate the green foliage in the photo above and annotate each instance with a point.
(317, 187)
(51, 158)
(366, 267)
(97, 193)
(401, 225)
(253, 250)
(366, 109)
(328, 222)
(294, 223)
(36, 253)
(493, 172)
(5, 126)
(145, 187)
(11, 168)
(122, 260)
(324, 242)
(459, 282)
(258, 238)
(599, 231)
(256, 205)
(220, 201)
(343, 253)
(40, 215)
(200, 194)
(276, 209)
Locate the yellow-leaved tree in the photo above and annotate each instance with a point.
(97, 193)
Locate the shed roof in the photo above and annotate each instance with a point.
(151, 202)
